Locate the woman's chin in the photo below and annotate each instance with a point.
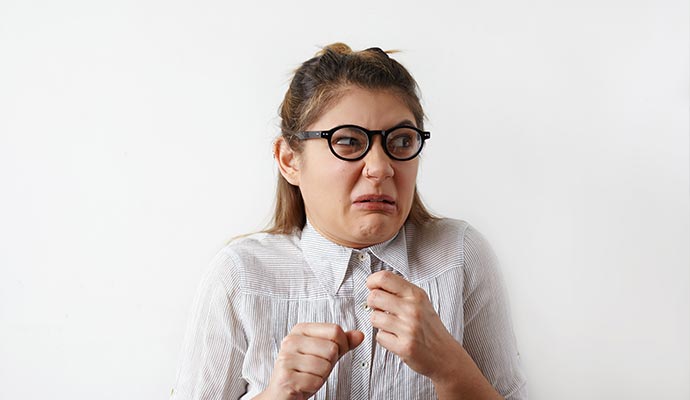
(377, 230)
(360, 231)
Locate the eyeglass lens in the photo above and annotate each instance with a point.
(401, 143)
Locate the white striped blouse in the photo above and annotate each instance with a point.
(260, 286)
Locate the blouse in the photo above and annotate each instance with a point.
(260, 286)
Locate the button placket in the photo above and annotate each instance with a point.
(361, 355)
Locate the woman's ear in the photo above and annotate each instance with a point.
(288, 161)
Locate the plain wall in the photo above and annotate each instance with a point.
(135, 141)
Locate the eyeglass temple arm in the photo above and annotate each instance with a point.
(311, 134)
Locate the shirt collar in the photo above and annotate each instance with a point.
(329, 261)
(393, 253)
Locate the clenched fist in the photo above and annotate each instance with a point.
(306, 357)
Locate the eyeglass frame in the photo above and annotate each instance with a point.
(327, 134)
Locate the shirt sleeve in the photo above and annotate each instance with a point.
(211, 360)
(488, 336)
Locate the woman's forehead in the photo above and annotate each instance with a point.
(370, 108)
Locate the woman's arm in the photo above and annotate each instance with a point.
(486, 365)
(210, 365)
(488, 335)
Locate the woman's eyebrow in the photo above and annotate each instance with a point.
(405, 122)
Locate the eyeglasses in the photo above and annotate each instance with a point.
(352, 142)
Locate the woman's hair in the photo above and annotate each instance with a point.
(317, 85)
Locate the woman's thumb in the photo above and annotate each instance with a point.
(354, 338)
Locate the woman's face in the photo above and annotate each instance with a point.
(357, 203)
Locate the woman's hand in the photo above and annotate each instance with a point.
(410, 327)
(408, 324)
(306, 357)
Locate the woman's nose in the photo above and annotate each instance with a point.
(377, 164)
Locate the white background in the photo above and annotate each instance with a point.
(135, 141)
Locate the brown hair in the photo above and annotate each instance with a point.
(317, 84)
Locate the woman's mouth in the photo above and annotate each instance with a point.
(382, 203)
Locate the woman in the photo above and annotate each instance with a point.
(356, 291)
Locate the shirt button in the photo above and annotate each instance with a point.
(363, 364)
(365, 306)
(362, 257)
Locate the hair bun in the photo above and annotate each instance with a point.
(338, 47)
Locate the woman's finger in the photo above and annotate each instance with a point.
(323, 348)
(387, 340)
(390, 282)
(388, 322)
(382, 300)
(304, 363)
(354, 338)
(326, 331)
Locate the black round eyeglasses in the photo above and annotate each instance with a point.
(352, 142)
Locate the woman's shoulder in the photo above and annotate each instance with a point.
(435, 245)
(263, 242)
(437, 229)
(454, 238)
(261, 246)
(453, 242)
(254, 253)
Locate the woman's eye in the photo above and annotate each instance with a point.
(400, 141)
(347, 141)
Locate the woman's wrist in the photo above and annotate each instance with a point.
(262, 396)
(269, 395)
(460, 377)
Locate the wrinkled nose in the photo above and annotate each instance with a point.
(377, 164)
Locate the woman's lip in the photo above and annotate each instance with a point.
(374, 198)
(381, 206)
(375, 202)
